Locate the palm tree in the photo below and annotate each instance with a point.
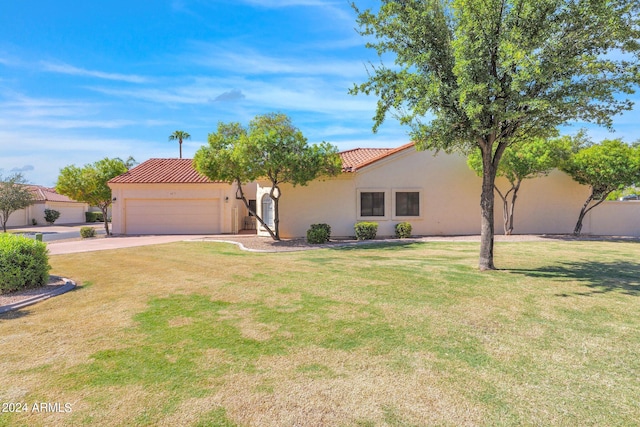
(179, 135)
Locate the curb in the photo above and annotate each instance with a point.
(68, 285)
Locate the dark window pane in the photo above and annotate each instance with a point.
(408, 203)
(372, 204)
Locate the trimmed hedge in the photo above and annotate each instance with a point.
(24, 263)
(86, 232)
(366, 230)
(318, 233)
(94, 216)
(403, 230)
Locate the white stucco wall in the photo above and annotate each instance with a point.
(224, 192)
(449, 199)
(70, 213)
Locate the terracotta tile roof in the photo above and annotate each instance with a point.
(159, 171)
(357, 158)
(46, 194)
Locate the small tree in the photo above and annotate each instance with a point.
(14, 195)
(179, 135)
(605, 167)
(271, 148)
(89, 183)
(51, 216)
(530, 159)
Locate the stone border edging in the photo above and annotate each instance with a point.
(68, 285)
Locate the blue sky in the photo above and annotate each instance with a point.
(80, 81)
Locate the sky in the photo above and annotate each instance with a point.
(84, 80)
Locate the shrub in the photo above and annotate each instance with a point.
(34, 221)
(366, 230)
(318, 233)
(403, 230)
(24, 263)
(94, 216)
(86, 232)
(51, 215)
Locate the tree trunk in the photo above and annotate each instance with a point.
(246, 203)
(106, 220)
(487, 199)
(180, 144)
(515, 189)
(505, 209)
(585, 209)
(276, 211)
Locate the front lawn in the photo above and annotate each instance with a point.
(201, 334)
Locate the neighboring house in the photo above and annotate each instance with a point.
(71, 212)
(437, 194)
(168, 196)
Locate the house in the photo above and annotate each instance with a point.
(437, 193)
(168, 196)
(71, 211)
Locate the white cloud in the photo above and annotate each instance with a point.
(249, 61)
(75, 71)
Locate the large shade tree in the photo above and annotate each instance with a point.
(14, 195)
(485, 74)
(525, 160)
(605, 167)
(271, 148)
(89, 183)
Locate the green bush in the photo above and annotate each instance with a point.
(94, 216)
(90, 216)
(366, 230)
(318, 233)
(24, 263)
(403, 230)
(86, 232)
(51, 215)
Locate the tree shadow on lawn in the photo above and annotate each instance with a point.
(14, 314)
(600, 277)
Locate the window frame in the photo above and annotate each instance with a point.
(395, 215)
(386, 200)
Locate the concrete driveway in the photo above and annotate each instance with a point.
(65, 239)
(106, 243)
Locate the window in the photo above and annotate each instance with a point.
(252, 206)
(372, 203)
(407, 203)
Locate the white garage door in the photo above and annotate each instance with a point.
(162, 216)
(72, 214)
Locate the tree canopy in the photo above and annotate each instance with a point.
(14, 195)
(491, 73)
(605, 167)
(89, 183)
(269, 148)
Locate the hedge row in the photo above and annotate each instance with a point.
(24, 263)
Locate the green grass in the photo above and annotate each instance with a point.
(399, 335)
